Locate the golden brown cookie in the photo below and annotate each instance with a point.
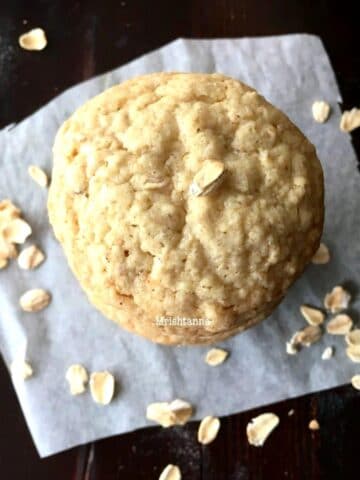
(185, 196)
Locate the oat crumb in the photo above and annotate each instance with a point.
(314, 425)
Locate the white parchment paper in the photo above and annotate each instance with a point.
(290, 71)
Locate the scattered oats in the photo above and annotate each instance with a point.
(307, 336)
(16, 231)
(314, 425)
(30, 258)
(8, 214)
(208, 178)
(34, 300)
(339, 325)
(38, 175)
(7, 250)
(355, 382)
(260, 427)
(353, 352)
(291, 348)
(182, 409)
(102, 385)
(216, 356)
(208, 430)
(350, 120)
(291, 412)
(353, 337)
(33, 40)
(12, 230)
(171, 472)
(312, 315)
(77, 377)
(8, 210)
(338, 299)
(320, 111)
(322, 255)
(327, 353)
(20, 369)
(167, 414)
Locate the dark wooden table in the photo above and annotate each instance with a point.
(90, 37)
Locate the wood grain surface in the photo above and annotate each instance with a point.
(91, 37)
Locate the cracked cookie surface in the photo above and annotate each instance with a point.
(142, 246)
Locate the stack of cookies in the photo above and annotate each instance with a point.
(186, 205)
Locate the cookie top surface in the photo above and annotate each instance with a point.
(124, 204)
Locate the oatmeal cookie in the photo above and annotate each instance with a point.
(185, 195)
